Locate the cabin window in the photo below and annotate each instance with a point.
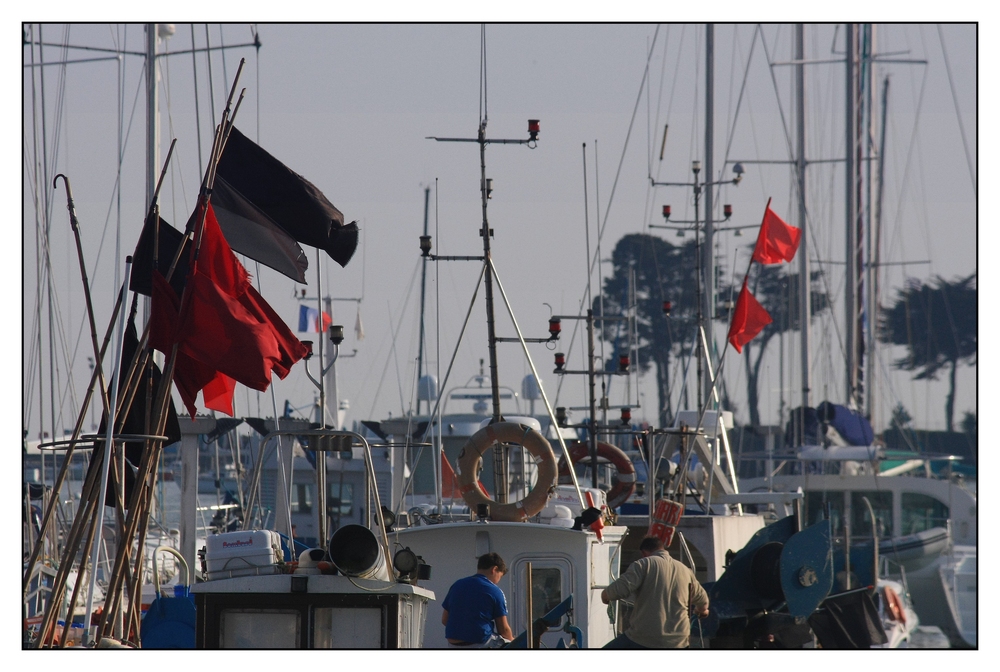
(546, 591)
(302, 496)
(922, 512)
(861, 520)
(340, 500)
(260, 629)
(347, 628)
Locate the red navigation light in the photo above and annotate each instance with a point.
(560, 361)
(555, 327)
(727, 210)
(666, 212)
(533, 129)
(667, 306)
(623, 363)
(626, 416)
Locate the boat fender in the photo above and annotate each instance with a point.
(470, 462)
(895, 605)
(623, 489)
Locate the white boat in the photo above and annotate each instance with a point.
(957, 571)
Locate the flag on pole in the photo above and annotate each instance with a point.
(776, 240)
(226, 333)
(449, 484)
(359, 330)
(309, 319)
(749, 318)
(262, 199)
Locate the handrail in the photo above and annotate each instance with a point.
(156, 571)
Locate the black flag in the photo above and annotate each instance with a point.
(257, 198)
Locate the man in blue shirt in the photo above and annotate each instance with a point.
(475, 609)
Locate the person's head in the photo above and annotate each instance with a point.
(492, 566)
(650, 545)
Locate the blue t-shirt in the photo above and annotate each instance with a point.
(472, 604)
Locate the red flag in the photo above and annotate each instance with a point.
(190, 375)
(776, 241)
(449, 488)
(749, 318)
(226, 332)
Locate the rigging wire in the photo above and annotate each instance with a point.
(621, 161)
(958, 114)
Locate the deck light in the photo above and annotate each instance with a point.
(555, 328)
(738, 169)
(425, 245)
(680, 233)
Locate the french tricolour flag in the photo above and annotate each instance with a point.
(309, 319)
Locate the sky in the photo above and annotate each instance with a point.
(350, 107)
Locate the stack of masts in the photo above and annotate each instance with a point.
(120, 617)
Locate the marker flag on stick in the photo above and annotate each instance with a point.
(749, 318)
(776, 240)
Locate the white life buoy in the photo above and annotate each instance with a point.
(471, 457)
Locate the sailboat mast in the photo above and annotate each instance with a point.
(851, 212)
(152, 116)
(805, 299)
(708, 251)
(423, 294)
(499, 461)
(485, 233)
(870, 311)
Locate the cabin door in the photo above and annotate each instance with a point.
(552, 582)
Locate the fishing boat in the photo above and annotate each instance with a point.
(261, 592)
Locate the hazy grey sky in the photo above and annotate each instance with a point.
(350, 106)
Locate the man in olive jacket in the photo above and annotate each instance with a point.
(665, 593)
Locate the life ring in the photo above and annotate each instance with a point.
(471, 457)
(623, 489)
(896, 609)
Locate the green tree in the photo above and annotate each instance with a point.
(938, 324)
(779, 293)
(663, 272)
(901, 418)
(970, 424)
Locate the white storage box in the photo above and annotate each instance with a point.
(249, 553)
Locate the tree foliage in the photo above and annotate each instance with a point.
(663, 272)
(938, 323)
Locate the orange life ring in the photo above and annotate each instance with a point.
(470, 462)
(623, 489)
(895, 605)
